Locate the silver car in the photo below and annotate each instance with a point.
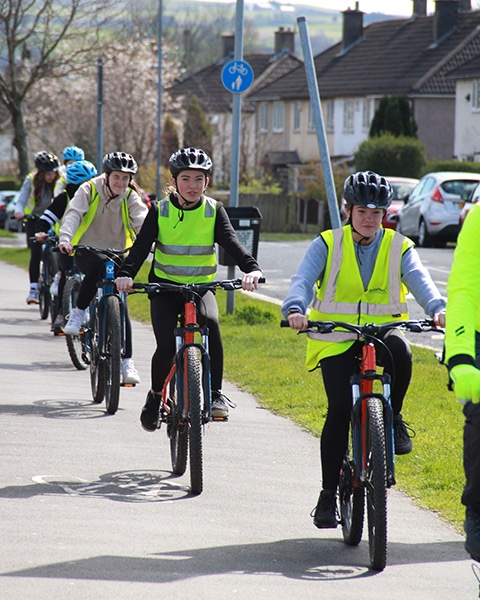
(431, 214)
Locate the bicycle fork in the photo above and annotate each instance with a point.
(362, 390)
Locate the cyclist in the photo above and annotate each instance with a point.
(77, 172)
(360, 273)
(462, 345)
(35, 195)
(70, 154)
(185, 226)
(106, 212)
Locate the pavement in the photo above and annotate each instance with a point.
(90, 508)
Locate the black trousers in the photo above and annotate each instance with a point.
(35, 250)
(164, 310)
(336, 372)
(471, 447)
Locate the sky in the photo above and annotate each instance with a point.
(389, 7)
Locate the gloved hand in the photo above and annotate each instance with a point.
(466, 382)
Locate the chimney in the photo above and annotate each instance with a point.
(465, 6)
(445, 18)
(284, 40)
(352, 27)
(419, 8)
(228, 44)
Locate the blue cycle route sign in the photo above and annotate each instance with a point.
(237, 76)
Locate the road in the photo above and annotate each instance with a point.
(90, 509)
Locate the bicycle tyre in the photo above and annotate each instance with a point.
(43, 291)
(376, 485)
(193, 392)
(113, 354)
(75, 343)
(97, 363)
(178, 433)
(351, 499)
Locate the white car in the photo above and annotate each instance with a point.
(431, 214)
(11, 224)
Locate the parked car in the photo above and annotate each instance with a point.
(431, 214)
(473, 199)
(10, 223)
(402, 188)
(5, 196)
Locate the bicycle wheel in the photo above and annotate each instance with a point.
(113, 353)
(75, 343)
(43, 291)
(178, 433)
(352, 500)
(97, 363)
(376, 485)
(193, 394)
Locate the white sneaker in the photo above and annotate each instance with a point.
(74, 322)
(54, 286)
(32, 297)
(129, 372)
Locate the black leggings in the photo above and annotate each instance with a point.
(93, 267)
(164, 309)
(336, 372)
(35, 250)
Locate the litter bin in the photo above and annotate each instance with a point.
(246, 222)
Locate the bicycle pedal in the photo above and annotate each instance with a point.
(129, 385)
(220, 419)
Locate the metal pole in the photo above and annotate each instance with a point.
(159, 100)
(236, 128)
(99, 115)
(319, 125)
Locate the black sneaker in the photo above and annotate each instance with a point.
(220, 404)
(472, 529)
(402, 435)
(149, 414)
(325, 513)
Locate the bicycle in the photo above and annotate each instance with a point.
(186, 395)
(47, 304)
(103, 333)
(368, 468)
(75, 345)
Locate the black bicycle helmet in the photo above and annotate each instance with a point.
(190, 158)
(368, 189)
(46, 161)
(80, 171)
(119, 161)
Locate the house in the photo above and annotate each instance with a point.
(216, 100)
(411, 56)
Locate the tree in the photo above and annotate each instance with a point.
(390, 155)
(198, 130)
(394, 115)
(44, 39)
(170, 142)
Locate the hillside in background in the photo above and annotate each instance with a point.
(263, 18)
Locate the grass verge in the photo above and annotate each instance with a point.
(268, 362)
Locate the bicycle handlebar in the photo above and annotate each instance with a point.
(164, 286)
(368, 329)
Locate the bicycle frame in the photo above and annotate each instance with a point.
(362, 389)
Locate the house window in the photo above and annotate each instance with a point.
(278, 117)
(476, 95)
(297, 109)
(263, 117)
(311, 121)
(348, 110)
(330, 124)
(366, 115)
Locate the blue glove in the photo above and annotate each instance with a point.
(466, 382)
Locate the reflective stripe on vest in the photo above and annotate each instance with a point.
(384, 299)
(92, 211)
(186, 251)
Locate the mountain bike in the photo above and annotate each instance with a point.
(103, 333)
(186, 394)
(368, 468)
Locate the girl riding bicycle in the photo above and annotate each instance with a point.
(185, 226)
(35, 195)
(361, 273)
(106, 212)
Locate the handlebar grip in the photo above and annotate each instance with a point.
(262, 280)
(284, 323)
